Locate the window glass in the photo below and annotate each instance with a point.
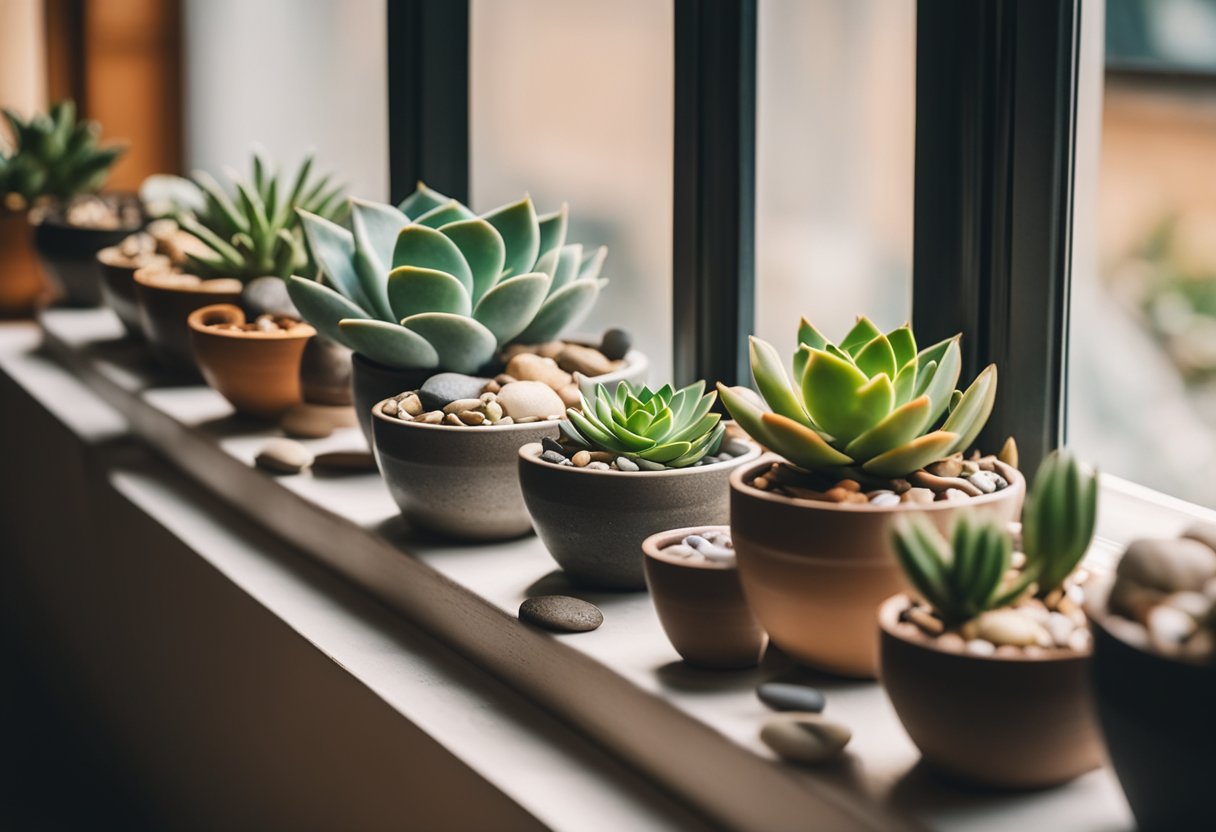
(571, 101)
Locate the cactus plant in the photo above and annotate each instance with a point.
(870, 406)
(254, 230)
(431, 285)
(55, 155)
(670, 427)
(1059, 518)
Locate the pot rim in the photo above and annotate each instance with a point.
(144, 277)
(515, 426)
(1097, 614)
(237, 316)
(53, 214)
(532, 451)
(111, 255)
(738, 484)
(888, 617)
(660, 540)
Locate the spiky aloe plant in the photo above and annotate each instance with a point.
(55, 155)
(253, 230)
(671, 427)
(873, 404)
(431, 285)
(1059, 518)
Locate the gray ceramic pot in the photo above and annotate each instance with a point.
(593, 522)
(456, 481)
(372, 382)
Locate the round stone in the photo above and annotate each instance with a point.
(884, 498)
(985, 481)
(1008, 627)
(342, 461)
(787, 696)
(804, 738)
(616, 344)
(589, 361)
(268, 296)
(555, 457)
(529, 367)
(283, 456)
(442, 389)
(530, 399)
(316, 421)
(624, 463)
(561, 614)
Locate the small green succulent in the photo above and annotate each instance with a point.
(254, 230)
(870, 405)
(670, 427)
(1059, 518)
(431, 285)
(54, 156)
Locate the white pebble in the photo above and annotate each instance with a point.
(979, 647)
(679, 550)
(887, 498)
(1061, 628)
(718, 554)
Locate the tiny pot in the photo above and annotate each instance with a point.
(459, 482)
(163, 312)
(68, 254)
(814, 572)
(118, 284)
(21, 284)
(593, 522)
(1159, 723)
(258, 372)
(701, 605)
(1009, 723)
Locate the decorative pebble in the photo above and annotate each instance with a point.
(624, 463)
(1195, 604)
(1060, 627)
(551, 444)
(681, 550)
(1169, 627)
(316, 421)
(268, 296)
(648, 465)
(462, 405)
(979, 647)
(575, 358)
(917, 495)
(581, 459)
(885, 498)
(561, 613)
(598, 466)
(443, 388)
(555, 457)
(735, 447)
(529, 400)
(616, 344)
(345, 461)
(530, 367)
(1007, 626)
(924, 619)
(788, 696)
(950, 467)
(955, 495)
(985, 481)
(950, 642)
(284, 456)
(805, 738)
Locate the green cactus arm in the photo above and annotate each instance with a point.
(508, 307)
(483, 249)
(901, 461)
(772, 382)
(899, 427)
(520, 230)
(968, 417)
(877, 357)
(799, 444)
(862, 333)
(463, 344)
(391, 345)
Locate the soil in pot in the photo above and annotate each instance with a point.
(1004, 702)
(165, 300)
(21, 283)
(815, 556)
(692, 578)
(68, 237)
(118, 266)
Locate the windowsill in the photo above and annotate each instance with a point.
(695, 733)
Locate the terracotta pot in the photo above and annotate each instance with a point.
(118, 284)
(21, 283)
(814, 572)
(1160, 727)
(1010, 723)
(163, 311)
(258, 372)
(456, 481)
(593, 522)
(69, 255)
(701, 606)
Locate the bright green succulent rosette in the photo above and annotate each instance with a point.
(873, 405)
(674, 428)
(431, 285)
(55, 155)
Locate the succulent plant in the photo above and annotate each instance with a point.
(670, 427)
(431, 285)
(870, 406)
(54, 156)
(1059, 518)
(254, 230)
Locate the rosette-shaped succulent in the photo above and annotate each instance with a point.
(671, 427)
(873, 403)
(431, 285)
(55, 155)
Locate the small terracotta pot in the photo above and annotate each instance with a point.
(593, 522)
(21, 283)
(163, 311)
(258, 372)
(459, 482)
(1010, 723)
(69, 255)
(118, 284)
(1158, 719)
(701, 606)
(814, 572)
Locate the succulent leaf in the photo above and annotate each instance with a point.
(520, 230)
(911, 456)
(772, 382)
(830, 386)
(1059, 518)
(553, 230)
(422, 247)
(969, 415)
(333, 248)
(483, 250)
(414, 291)
(422, 200)
(386, 343)
(463, 344)
(799, 444)
(564, 308)
(54, 155)
(877, 357)
(507, 308)
(450, 212)
(565, 270)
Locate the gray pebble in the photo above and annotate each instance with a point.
(624, 463)
(442, 389)
(787, 696)
(284, 456)
(647, 465)
(598, 466)
(555, 457)
(561, 613)
(735, 447)
(616, 344)
(984, 480)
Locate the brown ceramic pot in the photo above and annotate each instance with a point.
(258, 372)
(459, 482)
(68, 253)
(814, 572)
(21, 283)
(701, 606)
(163, 310)
(593, 522)
(118, 284)
(1010, 723)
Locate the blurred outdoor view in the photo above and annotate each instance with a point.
(1142, 399)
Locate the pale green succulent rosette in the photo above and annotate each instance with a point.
(874, 405)
(671, 427)
(431, 285)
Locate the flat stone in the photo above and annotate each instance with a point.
(283, 456)
(530, 399)
(345, 461)
(804, 738)
(650, 465)
(555, 457)
(589, 361)
(551, 444)
(529, 367)
(1008, 627)
(561, 614)
(316, 421)
(624, 463)
(442, 389)
(616, 344)
(787, 696)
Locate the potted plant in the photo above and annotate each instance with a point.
(429, 287)
(633, 463)
(692, 578)
(873, 429)
(249, 235)
(986, 665)
(1154, 676)
(54, 173)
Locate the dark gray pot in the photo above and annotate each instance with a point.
(593, 522)
(68, 253)
(456, 481)
(372, 382)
